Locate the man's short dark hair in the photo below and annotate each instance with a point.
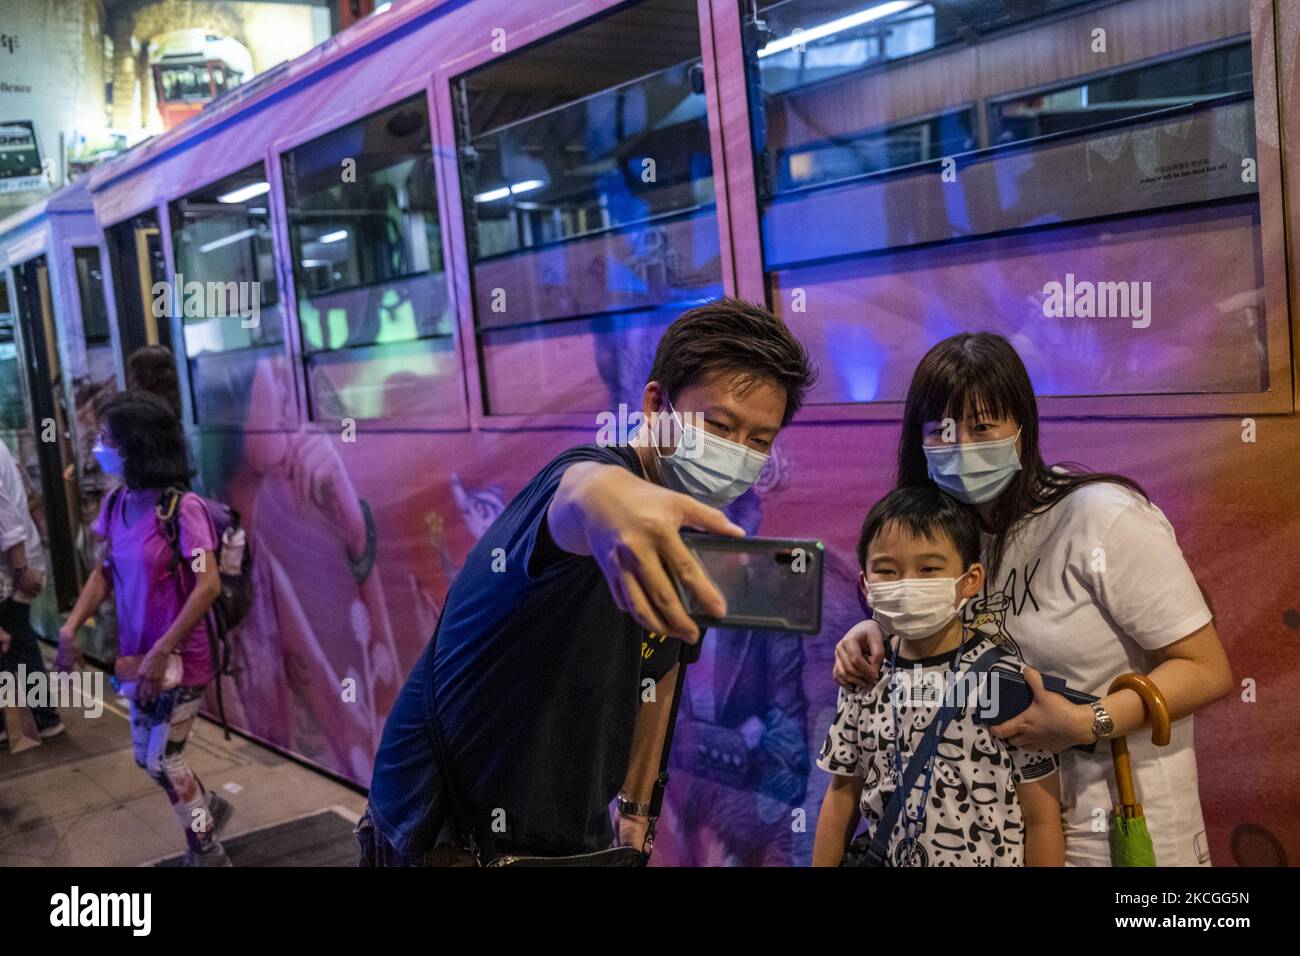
(738, 338)
(926, 512)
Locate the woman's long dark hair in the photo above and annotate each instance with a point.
(152, 368)
(150, 440)
(981, 372)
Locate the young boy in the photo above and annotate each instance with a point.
(977, 800)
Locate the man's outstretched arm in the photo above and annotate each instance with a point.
(632, 528)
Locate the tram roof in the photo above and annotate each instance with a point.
(361, 39)
(72, 198)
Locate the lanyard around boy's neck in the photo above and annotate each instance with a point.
(911, 827)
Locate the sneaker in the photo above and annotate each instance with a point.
(53, 730)
(214, 855)
(221, 810)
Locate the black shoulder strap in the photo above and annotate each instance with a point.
(169, 517)
(110, 502)
(920, 758)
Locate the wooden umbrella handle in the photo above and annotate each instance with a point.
(1157, 711)
(1152, 699)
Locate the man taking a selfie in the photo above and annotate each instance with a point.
(530, 696)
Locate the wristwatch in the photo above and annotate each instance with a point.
(1103, 725)
(628, 808)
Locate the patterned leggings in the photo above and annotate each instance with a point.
(158, 735)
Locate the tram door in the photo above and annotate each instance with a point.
(50, 424)
(135, 255)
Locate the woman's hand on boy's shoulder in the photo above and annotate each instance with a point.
(859, 656)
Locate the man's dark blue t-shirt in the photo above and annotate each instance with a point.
(537, 677)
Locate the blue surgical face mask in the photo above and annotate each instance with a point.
(709, 468)
(109, 458)
(974, 472)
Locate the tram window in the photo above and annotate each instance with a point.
(13, 413)
(90, 289)
(588, 197)
(925, 168)
(1196, 79)
(227, 292)
(181, 83)
(373, 302)
(135, 256)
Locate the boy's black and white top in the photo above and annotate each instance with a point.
(973, 817)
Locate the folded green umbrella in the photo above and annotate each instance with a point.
(1130, 840)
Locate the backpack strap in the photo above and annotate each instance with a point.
(110, 502)
(879, 847)
(168, 511)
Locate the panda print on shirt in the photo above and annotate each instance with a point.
(972, 815)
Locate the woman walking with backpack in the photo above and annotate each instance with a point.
(162, 570)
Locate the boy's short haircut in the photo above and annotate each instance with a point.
(926, 512)
(737, 337)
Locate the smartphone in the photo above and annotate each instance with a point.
(770, 583)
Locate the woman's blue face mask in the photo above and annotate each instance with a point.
(973, 472)
(109, 458)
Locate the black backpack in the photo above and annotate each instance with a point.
(236, 596)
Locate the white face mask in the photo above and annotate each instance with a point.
(914, 608)
(709, 468)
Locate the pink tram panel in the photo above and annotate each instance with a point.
(469, 223)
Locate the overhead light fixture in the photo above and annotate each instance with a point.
(492, 195)
(334, 236)
(245, 193)
(227, 240)
(803, 37)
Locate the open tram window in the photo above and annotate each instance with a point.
(226, 288)
(927, 168)
(373, 304)
(587, 188)
(90, 291)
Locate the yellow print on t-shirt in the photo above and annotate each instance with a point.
(651, 643)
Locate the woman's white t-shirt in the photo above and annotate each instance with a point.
(1086, 591)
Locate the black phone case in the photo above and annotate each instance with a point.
(1014, 695)
(812, 547)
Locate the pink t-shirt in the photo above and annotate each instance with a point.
(148, 595)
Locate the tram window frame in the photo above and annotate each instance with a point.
(267, 340)
(315, 358)
(13, 412)
(575, 315)
(1275, 367)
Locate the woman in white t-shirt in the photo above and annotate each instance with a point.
(1086, 581)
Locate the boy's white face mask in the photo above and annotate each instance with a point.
(914, 608)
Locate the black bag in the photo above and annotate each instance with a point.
(617, 856)
(236, 597)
